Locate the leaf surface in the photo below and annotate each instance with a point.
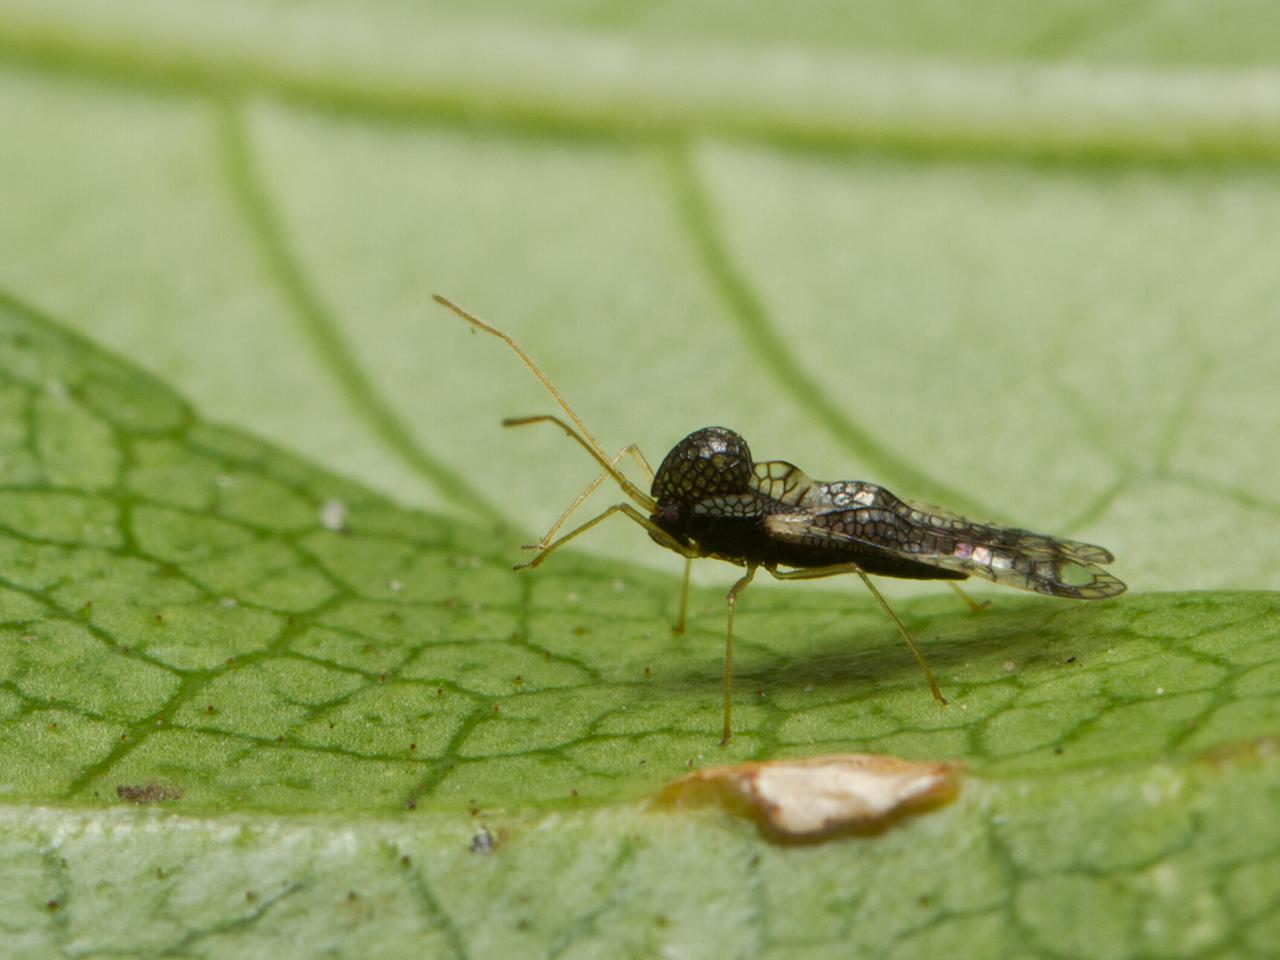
(266, 679)
(378, 734)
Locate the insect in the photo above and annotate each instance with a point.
(709, 498)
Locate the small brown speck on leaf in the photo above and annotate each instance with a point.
(147, 792)
(1237, 752)
(819, 797)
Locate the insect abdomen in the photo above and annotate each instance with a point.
(745, 540)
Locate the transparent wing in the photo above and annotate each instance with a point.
(881, 523)
(937, 516)
(781, 481)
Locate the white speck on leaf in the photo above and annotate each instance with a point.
(1162, 785)
(333, 515)
(1165, 879)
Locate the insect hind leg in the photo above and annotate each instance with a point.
(817, 573)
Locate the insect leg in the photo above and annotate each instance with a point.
(630, 449)
(684, 597)
(972, 604)
(816, 573)
(662, 537)
(732, 597)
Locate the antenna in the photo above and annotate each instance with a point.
(583, 436)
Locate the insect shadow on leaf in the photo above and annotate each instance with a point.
(709, 498)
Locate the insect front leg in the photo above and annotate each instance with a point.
(732, 597)
(658, 534)
(630, 449)
(678, 628)
(817, 573)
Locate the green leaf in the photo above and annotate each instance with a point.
(1018, 262)
(331, 718)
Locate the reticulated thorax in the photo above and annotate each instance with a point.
(710, 462)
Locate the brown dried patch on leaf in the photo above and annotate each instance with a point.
(1235, 752)
(818, 797)
(147, 792)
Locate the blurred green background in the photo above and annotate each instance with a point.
(1016, 259)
